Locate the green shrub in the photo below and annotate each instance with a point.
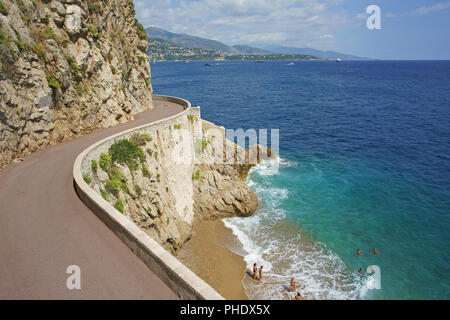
(53, 82)
(190, 118)
(81, 88)
(177, 126)
(115, 184)
(26, 18)
(140, 139)
(38, 49)
(4, 39)
(113, 70)
(87, 179)
(45, 20)
(138, 190)
(119, 205)
(110, 57)
(94, 165)
(158, 177)
(20, 45)
(74, 67)
(3, 9)
(168, 220)
(49, 33)
(204, 144)
(150, 152)
(141, 31)
(142, 59)
(145, 172)
(126, 152)
(105, 161)
(155, 154)
(196, 175)
(92, 30)
(104, 195)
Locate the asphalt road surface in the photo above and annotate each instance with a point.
(44, 228)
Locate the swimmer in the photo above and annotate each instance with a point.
(373, 269)
(298, 296)
(358, 252)
(260, 273)
(255, 269)
(360, 271)
(292, 287)
(374, 251)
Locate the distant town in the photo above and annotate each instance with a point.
(161, 50)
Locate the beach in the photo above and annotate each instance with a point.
(211, 253)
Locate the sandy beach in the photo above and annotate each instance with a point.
(209, 256)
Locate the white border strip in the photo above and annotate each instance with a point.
(180, 279)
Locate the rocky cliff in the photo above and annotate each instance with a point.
(68, 67)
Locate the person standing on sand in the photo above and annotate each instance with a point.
(292, 287)
(260, 273)
(255, 270)
(298, 296)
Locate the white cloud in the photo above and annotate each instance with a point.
(286, 22)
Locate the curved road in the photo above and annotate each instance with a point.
(44, 228)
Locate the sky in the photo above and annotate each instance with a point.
(410, 29)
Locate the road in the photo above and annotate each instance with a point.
(44, 228)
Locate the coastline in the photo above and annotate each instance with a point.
(210, 254)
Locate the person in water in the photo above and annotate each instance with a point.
(255, 270)
(292, 287)
(260, 273)
(373, 269)
(360, 271)
(374, 251)
(358, 252)
(298, 296)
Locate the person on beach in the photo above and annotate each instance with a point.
(374, 251)
(260, 273)
(298, 296)
(292, 287)
(358, 252)
(360, 271)
(255, 270)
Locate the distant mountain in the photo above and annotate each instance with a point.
(314, 52)
(193, 42)
(188, 41)
(243, 49)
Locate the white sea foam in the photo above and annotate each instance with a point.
(268, 241)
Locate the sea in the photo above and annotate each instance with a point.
(364, 163)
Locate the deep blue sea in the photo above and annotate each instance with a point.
(364, 163)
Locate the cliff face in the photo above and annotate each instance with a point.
(68, 67)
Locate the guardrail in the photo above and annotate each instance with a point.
(180, 279)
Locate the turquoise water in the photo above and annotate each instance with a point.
(365, 163)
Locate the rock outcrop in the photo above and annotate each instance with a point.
(221, 189)
(68, 67)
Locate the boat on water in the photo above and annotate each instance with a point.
(207, 65)
(338, 60)
(259, 61)
(291, 64)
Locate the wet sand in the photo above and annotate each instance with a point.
(208, 254)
